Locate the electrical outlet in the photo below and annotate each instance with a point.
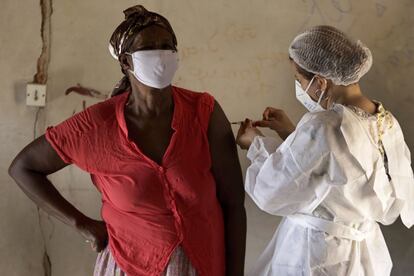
(35, 94)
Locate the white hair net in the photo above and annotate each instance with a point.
(330, 53)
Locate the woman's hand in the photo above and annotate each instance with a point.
(95, 233)
(277, 120)
(246, 134)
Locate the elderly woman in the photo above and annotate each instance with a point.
(163, 158)
(342, 170)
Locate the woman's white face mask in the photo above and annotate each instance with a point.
(306, 100)
(155, 68)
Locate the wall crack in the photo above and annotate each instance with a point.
(41, 77)
(45, 32)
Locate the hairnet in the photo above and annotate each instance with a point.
(330, 53)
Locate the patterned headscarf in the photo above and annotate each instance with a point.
(136, 19)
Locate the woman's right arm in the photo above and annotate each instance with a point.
(30, 169)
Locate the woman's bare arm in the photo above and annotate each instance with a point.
(230, 190)
(30, 169)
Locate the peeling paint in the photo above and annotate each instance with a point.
(45, 32)
(85, 91)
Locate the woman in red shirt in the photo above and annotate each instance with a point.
(163, 158)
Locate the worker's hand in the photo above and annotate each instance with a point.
(94, 232)
(246, 134)
(277, 120)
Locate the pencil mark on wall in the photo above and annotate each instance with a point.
(343, 6)
(186, 52)
(251, 72)
(232, 33)
(401, 52)
(238, 34)
(381, 9)
(403, 56)
(210, 44)
(334, 12)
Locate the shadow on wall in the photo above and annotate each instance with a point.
(59, 81)
(399, 241)
(20, 91)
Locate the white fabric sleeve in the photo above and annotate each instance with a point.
(297, 176)
(407, 213)
(399, 161)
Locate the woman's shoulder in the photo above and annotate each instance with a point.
(93, 117)
(107, 108)
(194, 97)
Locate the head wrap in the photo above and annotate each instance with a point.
(136, 19)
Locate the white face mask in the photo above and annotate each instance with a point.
(155, 68)
(306, 100)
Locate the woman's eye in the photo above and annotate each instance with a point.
(167, 47)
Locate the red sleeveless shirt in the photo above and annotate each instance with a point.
(150, 209)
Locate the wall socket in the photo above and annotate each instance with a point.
(35, 94)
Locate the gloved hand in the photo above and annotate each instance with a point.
(247, 133)
(277, 120)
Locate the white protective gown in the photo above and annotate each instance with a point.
(332, 185)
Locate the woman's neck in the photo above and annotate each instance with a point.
(149, 102)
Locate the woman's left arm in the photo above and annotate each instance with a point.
(230, 190)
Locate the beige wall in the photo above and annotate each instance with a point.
(237, 50)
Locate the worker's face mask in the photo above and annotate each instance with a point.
(306, 100)
(155, 68)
